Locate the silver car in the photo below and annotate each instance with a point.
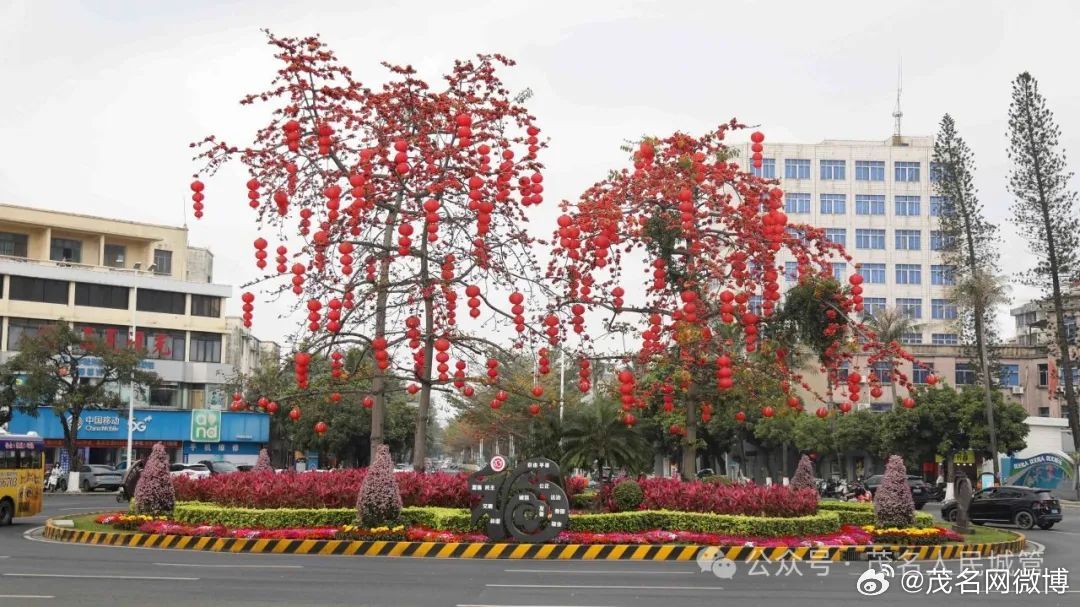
(94, 476)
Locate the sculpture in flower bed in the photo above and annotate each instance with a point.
(263, 463)
(379, 502)
(893, 504)
(746, 499)
(804, 475)
(154, 491)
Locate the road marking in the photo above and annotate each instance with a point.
(5, 557)
(27, 596)
(600, 571)
(230, 566)
(103, 577)
(602, 587)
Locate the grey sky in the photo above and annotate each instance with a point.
(100, 99)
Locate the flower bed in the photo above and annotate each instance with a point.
(716, 498)
(330, 489)
(848, 535)
(862, 513)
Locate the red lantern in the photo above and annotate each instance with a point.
(908, 402)
(534, 409)
(931, 379)
(294, 414)
(272, 408)
(768, 412)
(822, 412)
(845, 407)
(368, 402)
(321, 428)
(740, 417)
(538, 391)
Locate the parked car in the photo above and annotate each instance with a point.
(1024, 507)
(189, 470)
(94, 476)
(216, 468)
(920, 491)
(403, 468)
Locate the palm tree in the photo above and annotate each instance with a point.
(595, 436)
(890, 324)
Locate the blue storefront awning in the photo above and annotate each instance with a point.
(150, 425)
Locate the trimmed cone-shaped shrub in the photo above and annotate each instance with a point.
(379, 502)
(893, 504)
(804, 475)
(154, 491)
(263, 463)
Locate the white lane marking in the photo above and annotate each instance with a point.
(602, 587)
(600, 571)
(1040, 548)
(103, 577)
(230, 566)
(5, 557)
(27, 596)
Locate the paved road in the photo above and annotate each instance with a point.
(90, 576)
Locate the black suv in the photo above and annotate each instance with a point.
(1024, 507)
(920, 491)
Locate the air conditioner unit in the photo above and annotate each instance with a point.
(1017, 389)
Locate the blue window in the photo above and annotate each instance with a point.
(833, 170)
(1010, 375)
(873, 273)
(869, 204)
(754, 304)
(838, 271)
(911, 339)
(869, 170)
(937, 205)
(833, 204)
(939, 241)
(796, 203)
(842, 371)
(767, 170)
(944, 339)
(873, 305)
(837, 235)
(908, 274)
(910, 307)
(920, 373)
(965, 374)
(908, 240)
(906, 171)
(935, 171)
(791, 271)
(942, 309)
(942, 275)
(796, 168)
(882, 372)
(869, 239)
(907, 206)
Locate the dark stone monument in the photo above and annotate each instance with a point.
(963, 503)
(528, 503)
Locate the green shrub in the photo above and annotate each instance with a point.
(862, 513)
(585, 501)
(626, 496)
(835, 506)
(702, 522)
(194, 513)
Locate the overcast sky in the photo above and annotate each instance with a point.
(101, 98)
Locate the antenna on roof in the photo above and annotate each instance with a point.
(898, 114)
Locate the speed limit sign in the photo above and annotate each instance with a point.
(498, 463)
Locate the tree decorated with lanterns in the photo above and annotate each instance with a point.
(710, 238)
(382, 207)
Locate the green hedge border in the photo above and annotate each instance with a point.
(458, 520)
(862, 513)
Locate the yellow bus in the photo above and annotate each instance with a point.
(22, 476)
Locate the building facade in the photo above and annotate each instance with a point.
(877, 199)
(245, 352)
(123, 282)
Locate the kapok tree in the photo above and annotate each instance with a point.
(403, 199)
(711, 237)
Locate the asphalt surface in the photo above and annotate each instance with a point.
(39, 573)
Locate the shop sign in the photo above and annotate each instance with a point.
(205, 426)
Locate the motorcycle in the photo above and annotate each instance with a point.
(856, 492)
(57, 480)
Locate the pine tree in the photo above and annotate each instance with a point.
(1045, 212)
(969, 247)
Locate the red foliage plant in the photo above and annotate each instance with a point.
(697, 496)
(154, 493)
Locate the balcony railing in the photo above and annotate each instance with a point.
(137, 270)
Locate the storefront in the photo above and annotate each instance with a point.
(188, 436)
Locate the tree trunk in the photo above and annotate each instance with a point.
(378, 382)
(688, 469)
(987, 387)
(424, 406)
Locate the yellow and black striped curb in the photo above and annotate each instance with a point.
(480, 550)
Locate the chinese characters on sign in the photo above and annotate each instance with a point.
(528, 503)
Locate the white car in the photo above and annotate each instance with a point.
(189, 470)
